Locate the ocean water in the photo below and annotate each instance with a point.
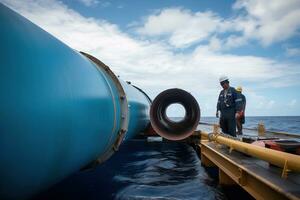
(290, 124)
(143, 170)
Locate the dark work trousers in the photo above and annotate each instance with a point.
(227, 121)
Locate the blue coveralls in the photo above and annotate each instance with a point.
(228, 105)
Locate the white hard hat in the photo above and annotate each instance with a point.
(223, 78)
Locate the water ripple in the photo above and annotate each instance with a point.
(172, 172)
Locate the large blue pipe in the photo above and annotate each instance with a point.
(59, 109)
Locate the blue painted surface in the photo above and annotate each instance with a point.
(58, 111)
(138, 110)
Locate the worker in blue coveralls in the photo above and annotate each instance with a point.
(227, 107)
(240, 120)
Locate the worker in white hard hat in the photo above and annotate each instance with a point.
(227, 107)
(240, 119)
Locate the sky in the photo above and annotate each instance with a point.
(187, 44)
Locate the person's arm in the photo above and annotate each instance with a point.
(238, 103)
(218, 106)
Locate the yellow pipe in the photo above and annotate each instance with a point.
(204, 135)
(281, 159)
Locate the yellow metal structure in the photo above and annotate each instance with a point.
(257, 181)
(284, 160)
(252, 167)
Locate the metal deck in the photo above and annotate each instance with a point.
(257, 177)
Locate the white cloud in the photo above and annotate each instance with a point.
(292, 103)
(261, 20)
(258, 104)
(105, 3)
(293, 52)
(267, 21)
(235, 41)
(270, 104)
(182, 26)
(154, 66)
(215, 44)
(89, 2)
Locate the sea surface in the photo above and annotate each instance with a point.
(144, 170)
(290, 124)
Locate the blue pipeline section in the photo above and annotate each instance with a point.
(139, 109)
(59, 110)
